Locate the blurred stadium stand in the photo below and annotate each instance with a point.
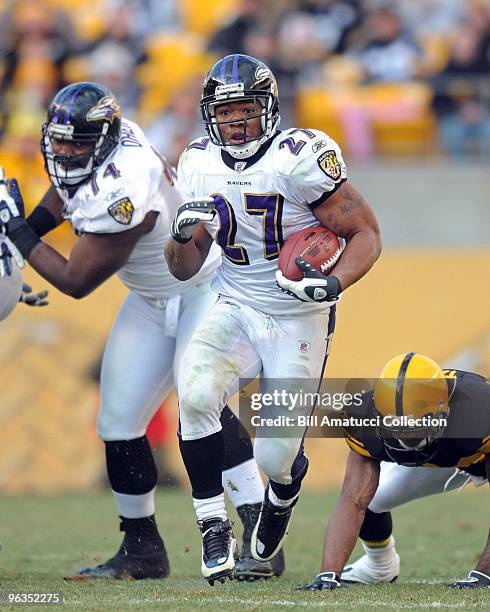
(417, 146)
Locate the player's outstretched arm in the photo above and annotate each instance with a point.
(347, 214)
(93, 259)
(360, 484)
(483, 564)
(480, 576)
(186, 259)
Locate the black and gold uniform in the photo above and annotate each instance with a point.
(463, 444)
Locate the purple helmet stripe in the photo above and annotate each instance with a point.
(234, 70)
(58, 110)
(70, 102)
(223, 66)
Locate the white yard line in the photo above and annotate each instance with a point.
(285, 602)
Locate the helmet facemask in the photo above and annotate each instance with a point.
(412, 446)
(72, 170)
(81, 114)
(266, 101)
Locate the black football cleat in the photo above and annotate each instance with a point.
(218, 550)
(247, 568)
(150, 561)
(271, 529)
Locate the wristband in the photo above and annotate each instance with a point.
(41, 221)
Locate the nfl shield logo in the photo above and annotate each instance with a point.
(239, 166)
(304, 347)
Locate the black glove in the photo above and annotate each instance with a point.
(313, 287)
(326, 581)
(475, 580)
(33, 299)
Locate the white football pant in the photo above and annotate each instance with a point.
(236, 342)
(144, 348)
(399, 484)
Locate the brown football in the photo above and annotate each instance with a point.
(317, 245)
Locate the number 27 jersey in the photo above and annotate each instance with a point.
(260, 202)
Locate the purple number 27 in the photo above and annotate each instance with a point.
(269, 206)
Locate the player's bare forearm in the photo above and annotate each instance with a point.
(66, 275)
(347, 214)
(483, 564)
(94, 258)
(185, 260)
(360, 484)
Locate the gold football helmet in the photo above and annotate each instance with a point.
(412, 398)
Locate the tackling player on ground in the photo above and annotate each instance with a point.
(120, 198)
(262, 186)
(414, 386)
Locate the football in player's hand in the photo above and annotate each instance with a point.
(317, 245)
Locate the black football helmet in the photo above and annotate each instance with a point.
(238, 78)
(84, 113)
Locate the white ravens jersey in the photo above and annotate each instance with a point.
(131, 182)
(260, 202)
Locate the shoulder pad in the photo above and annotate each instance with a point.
(296, 145)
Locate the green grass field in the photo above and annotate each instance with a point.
(45, 539)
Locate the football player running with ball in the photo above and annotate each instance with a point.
(120, 198)
(262, 185)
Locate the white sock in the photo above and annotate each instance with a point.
(378, 554)
(280, 503)
(135, 506)
(211, 507)
(243, 484)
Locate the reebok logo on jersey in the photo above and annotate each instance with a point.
(319, 145)
(329, 164)
(122, 211)
(115, 194)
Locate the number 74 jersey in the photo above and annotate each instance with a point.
(260, 202)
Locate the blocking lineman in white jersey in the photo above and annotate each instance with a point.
(120, 198)
(257, 186)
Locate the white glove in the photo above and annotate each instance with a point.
(8, 207)
(189, 216)
(313, 287)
